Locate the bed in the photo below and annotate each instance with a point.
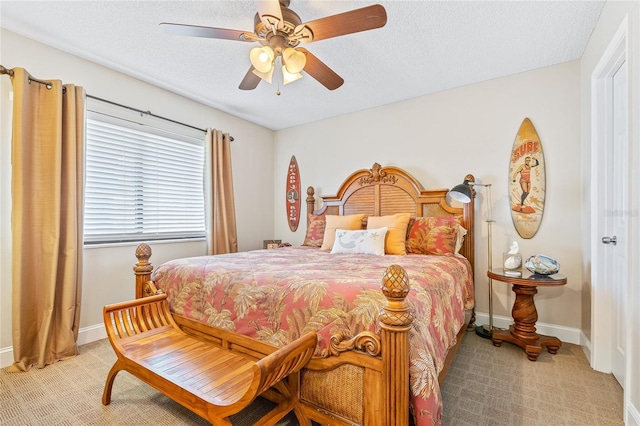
(388, 326)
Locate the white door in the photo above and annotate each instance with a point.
(610, 208)
(617, 219)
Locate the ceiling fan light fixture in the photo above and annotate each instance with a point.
(280, 31)
(294, 60)
(262, 58)
(288, 77)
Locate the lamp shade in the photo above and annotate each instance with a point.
(262, 58)
(293, 60)
(288, 77)
(461, 192)
(266, 76)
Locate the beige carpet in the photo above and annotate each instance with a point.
(485, 386)
(70, 393)
(500, 386)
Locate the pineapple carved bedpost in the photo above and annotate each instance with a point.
(311, 202)
(395, 322)
(142, 269)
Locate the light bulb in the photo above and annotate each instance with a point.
(262, 58)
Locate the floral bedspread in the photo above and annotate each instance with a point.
(276, 295)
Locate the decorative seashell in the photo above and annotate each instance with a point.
(513, 262)
(541, 264)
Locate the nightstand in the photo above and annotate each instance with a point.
(524, 313)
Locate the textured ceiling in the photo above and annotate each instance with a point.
(425, 47)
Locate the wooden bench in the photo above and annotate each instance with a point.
(210, 381)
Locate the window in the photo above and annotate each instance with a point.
(142, 182)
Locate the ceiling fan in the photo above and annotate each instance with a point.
(280, 31)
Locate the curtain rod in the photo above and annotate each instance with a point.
(9, 72)
(149, 113)
(4, 70)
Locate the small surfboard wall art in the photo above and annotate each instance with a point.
(527, 185)
(293, 194)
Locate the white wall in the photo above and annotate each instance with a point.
(108, 275)
(439, 139)
(610, 20)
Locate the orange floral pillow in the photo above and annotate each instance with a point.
(315, 230)
(432, 235)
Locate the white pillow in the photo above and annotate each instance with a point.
(460, 238)
(361, 241)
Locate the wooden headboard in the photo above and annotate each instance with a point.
(381, 191)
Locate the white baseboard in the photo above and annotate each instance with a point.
(565, 334)
(586, 346)
(85, 335)
(633, 415)
(91, 334)
(6, 356)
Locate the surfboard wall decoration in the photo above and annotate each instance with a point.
(527, 185)
(293, 194)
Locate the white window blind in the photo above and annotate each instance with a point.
(142, 183)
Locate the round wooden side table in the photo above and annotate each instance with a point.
(523, 331)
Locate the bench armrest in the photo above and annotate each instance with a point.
(286, 360)
(127, 319)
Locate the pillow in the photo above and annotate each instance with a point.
(315, 230)
(333, 222)
(397, 231)
(462, 231)
(433, 235)
(362, 241)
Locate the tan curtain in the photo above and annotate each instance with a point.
(222, 236)
(47, 213)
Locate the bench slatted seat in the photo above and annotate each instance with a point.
(209, 380)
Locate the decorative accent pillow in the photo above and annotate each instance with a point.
(333, 222)
(315, 230)
(362, 241)
(397, 231)
(462, 231)
(432, 235)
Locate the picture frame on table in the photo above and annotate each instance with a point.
(270, 244)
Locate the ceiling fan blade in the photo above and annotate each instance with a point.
(366, 18)
(250, 80)
(207, 32)
(270, 13)
(320, 71)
